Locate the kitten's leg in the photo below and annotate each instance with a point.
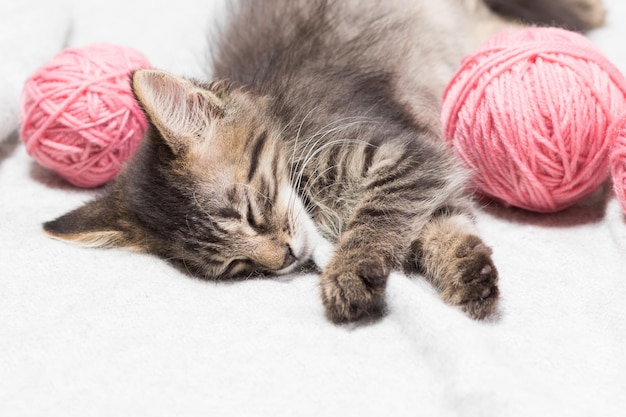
(404, 185)
(353, 283)
(458, 263)
(448, 252)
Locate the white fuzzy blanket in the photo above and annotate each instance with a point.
(111, 333)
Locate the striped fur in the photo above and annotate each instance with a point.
(323, 129)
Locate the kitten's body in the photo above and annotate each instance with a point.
(324, 128)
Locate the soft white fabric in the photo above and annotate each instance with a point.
(171, 33)
(111, 333)
(31, 32)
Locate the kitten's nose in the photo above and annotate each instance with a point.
(290, 258)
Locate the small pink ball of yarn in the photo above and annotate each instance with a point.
(78, 113)
(529, 113)
(618, 160)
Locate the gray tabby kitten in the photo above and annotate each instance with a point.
(320, 139)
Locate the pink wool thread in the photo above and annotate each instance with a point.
(529, 113)
(618, 160)
(79, 117)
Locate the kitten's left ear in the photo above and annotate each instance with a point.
(96, 224)
(177, 107)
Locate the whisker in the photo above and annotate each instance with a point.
(303, 152)
(310, 150)
(320, 149)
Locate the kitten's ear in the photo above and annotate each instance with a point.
(96, 224)
(177, 107)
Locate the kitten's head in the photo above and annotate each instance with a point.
(207, 190)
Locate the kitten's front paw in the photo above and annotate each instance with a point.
(350, 295)
(472, 285)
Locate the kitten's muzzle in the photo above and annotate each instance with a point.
(274, 256)
(290, 258)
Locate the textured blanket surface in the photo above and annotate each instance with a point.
(88, 332)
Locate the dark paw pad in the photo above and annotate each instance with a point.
(350, 297)
(473, 282)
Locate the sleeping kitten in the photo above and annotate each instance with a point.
(321, 140)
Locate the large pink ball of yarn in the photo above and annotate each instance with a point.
(618, 160)
(79, 116)
(529, 113)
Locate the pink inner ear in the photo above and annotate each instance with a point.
(176, 106)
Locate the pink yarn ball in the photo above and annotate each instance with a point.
(529, 113)
(618, 160)
(79, 116)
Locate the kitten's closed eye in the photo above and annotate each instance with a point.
(239, 267)
(256, 223)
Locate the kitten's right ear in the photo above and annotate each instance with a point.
(178, 108)
(96, 224)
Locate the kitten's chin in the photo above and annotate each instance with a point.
(301, 250)
(311, 245)
(307, 243)
(316, 248)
